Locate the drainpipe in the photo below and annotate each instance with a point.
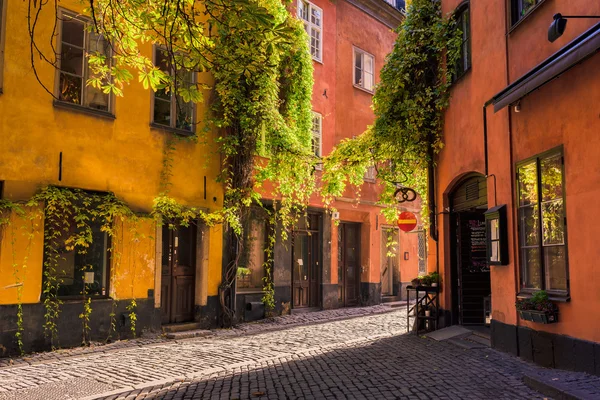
(433, 228)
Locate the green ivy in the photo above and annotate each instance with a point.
(409, 104)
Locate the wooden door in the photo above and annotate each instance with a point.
(178, 274)
(349, 259)
(389, 257)
(301, 283)
(473, 273)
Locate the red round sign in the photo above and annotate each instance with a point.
(407, 221)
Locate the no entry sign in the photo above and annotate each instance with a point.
(407, 221)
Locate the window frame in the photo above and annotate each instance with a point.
(59, 45)
(362, 53)
(173, 109)
(514, 16)
(308, 26)
(108, 255)
(3, 14)
(320, 118)
(465, 47)
(554, 294)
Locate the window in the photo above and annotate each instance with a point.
(363, 70)
(399, 5)
(312, 16)
(370, 174)
(520, 8)
(422, 238)
(76, 40)
(317, 126)
(74, 268)
(464, 24)
(542, 223)
(169, 109)
(252, 270)
(2, 25)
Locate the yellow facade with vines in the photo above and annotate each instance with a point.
(44, 143)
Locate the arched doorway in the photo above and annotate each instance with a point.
(470, 273)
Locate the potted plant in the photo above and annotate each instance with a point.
(416, 282)
(538, 308)
(425, 280)
(435, 278)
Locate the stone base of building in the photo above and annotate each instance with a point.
(546, 349)
(370, 293)
(69, 325)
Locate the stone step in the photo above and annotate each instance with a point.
(181, 327)
(188, 334)
(390, 299)
(395, 304)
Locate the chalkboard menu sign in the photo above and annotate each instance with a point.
(473, 245)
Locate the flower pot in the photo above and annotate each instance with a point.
(540, 317)
(434, 284)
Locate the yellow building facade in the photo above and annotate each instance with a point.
(133, 147)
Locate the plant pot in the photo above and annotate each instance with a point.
(434, 284)
(540, 317)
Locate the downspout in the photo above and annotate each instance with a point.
(433, 228)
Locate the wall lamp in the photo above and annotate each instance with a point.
(558, 26)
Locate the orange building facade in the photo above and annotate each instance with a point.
(521, 138)
(342, 259)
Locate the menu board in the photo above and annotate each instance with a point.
(473, 245)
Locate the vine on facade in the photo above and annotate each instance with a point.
(409, 103)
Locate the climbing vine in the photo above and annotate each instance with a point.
(409, 103)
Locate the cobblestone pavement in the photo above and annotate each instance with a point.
(365, 357)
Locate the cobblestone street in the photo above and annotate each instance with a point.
(367, 356)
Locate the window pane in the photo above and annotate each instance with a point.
(368, 63)
(531, 267)
(494, 230)
(95, 98)
(71, 60)
(368, 84)
(186, 246)
(70, 88)
(315, 43)
(555, 261)
(303, 10)
(162, 111)
(358, 60)
(185, 113)
(528, 184)
(75, 268)
(553, 228)
(529, 225)
(551, 171)
(315, 16)
(73, 31)
(495, 250)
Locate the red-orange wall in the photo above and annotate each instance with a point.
(563, 112)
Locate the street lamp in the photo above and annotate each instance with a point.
(558, 26)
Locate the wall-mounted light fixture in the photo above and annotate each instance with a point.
(558, 26)
(496, 235)
(406, 256)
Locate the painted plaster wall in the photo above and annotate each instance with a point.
(463, 136)
(563, 112)
(123, 155)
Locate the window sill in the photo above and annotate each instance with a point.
(364, 90)
(84, 110)
(526, 16)
(177, 131)
(317, 60)
(78, 299)
(553, 296)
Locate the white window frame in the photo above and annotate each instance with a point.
(173, 110)
(62, 15)
(3, 6)
(359, 52)
(319, 134)
(310, 27)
